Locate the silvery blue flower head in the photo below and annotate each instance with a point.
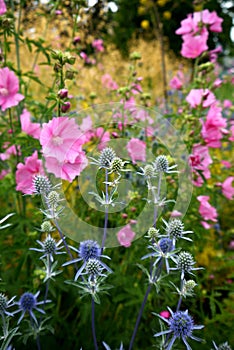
(181, 326)
(161, 165)
(27, 304)
(175, 230)
(5, 304)
(49, 247)
(163, 249)
(88, 250)
(185, 264)
(224, 346)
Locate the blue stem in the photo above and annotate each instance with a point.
(93, 325)
(106, 212)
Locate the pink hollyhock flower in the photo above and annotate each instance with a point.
(175, 83)
(165, 314)
(26, 172)
(227, 103)
(98, 45)
(108, 82)
(32, 129)
(187, 26)
(231, 138)
(136, 150)
(69, 168)
(209, 18)
(194, 45)
(213, 127)
(196, 97)
(226, 163)
(125, 236)
(206, 210)
(58, 136)
(12, 150)
(101, 137)
(200, 160)
(3, 8)
(9, 87)
(227, 189)
(206, 225)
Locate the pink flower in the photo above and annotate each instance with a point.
(101, 136)
(32, 129)
(206, 210)
(69, 168)
(58, 136)
(226, 163)
(227, 103)
(108, 82)
(12, 150)
(136, 150)
(227, 189)
(231, 138)
(26, 172)
(9, 87)
(196, 97)
(165, 314)
(200, 160)
(3, 8)
(213, 127)
(125, 236)
(175, 83)
(187, 26)
(175, 213)
(194, 45)
(98, 45)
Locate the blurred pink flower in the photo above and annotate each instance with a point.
(175, 213)
(227, 103)
(176, 83)
(9, 87)
(206, 210)
(226, 163)
(108, 82)
(125, 236)
(98, 45)
(213, 127)
(165, 314)
(231, 138)
(136, 150)
(3, 8)
(227, 189)
(12, 150)
(199, 161)
(196, 97)
(58, 136)
(32, 129)
(194, 45)
(187, 26)
(69, 168)
(26, 172)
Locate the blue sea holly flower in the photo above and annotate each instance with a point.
(224, 346)
(181, 326)
(175, 230)
(185, 264)
(88, 250)
(28, 303)
(161, 165)
(49, 247)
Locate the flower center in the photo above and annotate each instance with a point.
(4, 92)
(57, 140)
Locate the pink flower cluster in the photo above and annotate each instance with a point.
(3, 8)
(9, 87)
(97, 44)
(194, 31)
(206, 210)
(199, 161)
(61, 142)
(108, 82)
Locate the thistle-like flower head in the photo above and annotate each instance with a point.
(224, 346)
(106, 157)
(89, 250)
(161, 165)
(5, 304)
(49, 247)
(175, 230)
(185, 263)
(181, 325)
(41, 185)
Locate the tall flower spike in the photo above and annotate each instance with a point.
(181, 325)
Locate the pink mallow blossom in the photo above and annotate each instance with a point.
(136, 150)
(227, 188)
(175, 83)
(26, 172)
(194, 45)
(199, 161)
(125, 236)
(206, 210)
(32, 129)
(213, 127)
(58, 136)
(108, 82)
(97, 44)
(196, 97)
(3, 8)
(9, 87)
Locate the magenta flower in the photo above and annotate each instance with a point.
(136, 150)
(200, 160)
(231, 138)
(9, 87)
(58, 136)
(187, 26)
(194, 45)
(69, 168)
(98, 45)
(32, 129)
(206, 210)
(211, 19)
(125, 236)
(26, 172)
(227, 189)
(213, 127)
(3, 8)
(196, 97)
(108, 82)
(165, 314)
(175, 83)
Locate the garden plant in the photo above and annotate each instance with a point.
(116, 202)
